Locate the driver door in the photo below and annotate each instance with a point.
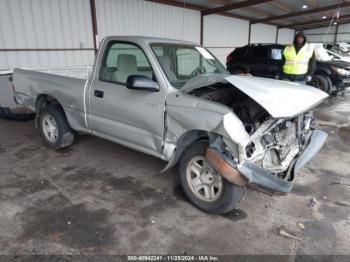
(134, 118)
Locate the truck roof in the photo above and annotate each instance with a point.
(148, 40)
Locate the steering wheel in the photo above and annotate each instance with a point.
(198, 70)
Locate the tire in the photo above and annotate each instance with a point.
(227, 195)
(238, 71)
(8, 114)
(322, 82)
(54, 128)
(2, 114)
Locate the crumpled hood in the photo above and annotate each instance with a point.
(337, 63)
(281, 99)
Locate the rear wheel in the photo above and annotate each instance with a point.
(205, 188)
(322, 82)
(54, 128)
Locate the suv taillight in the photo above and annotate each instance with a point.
(229, 58)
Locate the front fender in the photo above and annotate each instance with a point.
(189, 118)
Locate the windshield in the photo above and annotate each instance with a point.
(183, 62)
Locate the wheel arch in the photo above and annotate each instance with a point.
(183, 142)
(323, 71)
(44, 100)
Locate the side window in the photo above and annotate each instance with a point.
(276, 53)
(122, 60)
(260, 52)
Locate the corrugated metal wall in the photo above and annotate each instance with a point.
(137, 17)
(320, 35)
(33, 24)
(62, 24)
(343, 33)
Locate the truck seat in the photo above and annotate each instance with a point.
(126, 66)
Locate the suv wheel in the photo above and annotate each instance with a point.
(206, 189)
(321, 82)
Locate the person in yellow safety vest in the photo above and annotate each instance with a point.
(298, 61)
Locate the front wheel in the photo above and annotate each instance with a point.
(205, 188)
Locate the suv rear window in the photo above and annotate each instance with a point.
(260, 51)
(241, 51)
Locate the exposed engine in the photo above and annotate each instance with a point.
(274, 142)
(250, 112)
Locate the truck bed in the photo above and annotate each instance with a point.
(66, 85)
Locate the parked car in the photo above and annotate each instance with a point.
(335, 56)
(174, 100)
(265, 60)
(9, 110)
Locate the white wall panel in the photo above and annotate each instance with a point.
(223, 31)
(45, 59)
(137, 17)
(221, 53)
(222, 34)
(33, 24)
(262, 33)
(285, 36)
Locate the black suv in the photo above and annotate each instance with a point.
(265, 60)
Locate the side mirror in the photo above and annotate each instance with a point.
(141, 82)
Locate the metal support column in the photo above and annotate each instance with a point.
(94, 23)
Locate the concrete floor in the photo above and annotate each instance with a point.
(97, 197)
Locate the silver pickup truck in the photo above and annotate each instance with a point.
(174, 100)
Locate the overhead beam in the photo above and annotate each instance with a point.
(281, 6)
(345, 21)
(233, 6)
(202, 8)
(178, 4)
(250, 9)
(316, 21)
(94, 24)
(299, 13)
(313, 4)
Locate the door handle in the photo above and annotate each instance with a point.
(98, 93)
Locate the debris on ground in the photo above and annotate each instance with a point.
(332, 124)
(283, 232)
(312, 202)
(56, 236)
(301, 226)
(340, 183)
(342, 204)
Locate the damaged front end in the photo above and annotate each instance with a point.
(269, 151)
(276, 151)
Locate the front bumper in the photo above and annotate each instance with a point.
(250, 173)
(342, 82)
